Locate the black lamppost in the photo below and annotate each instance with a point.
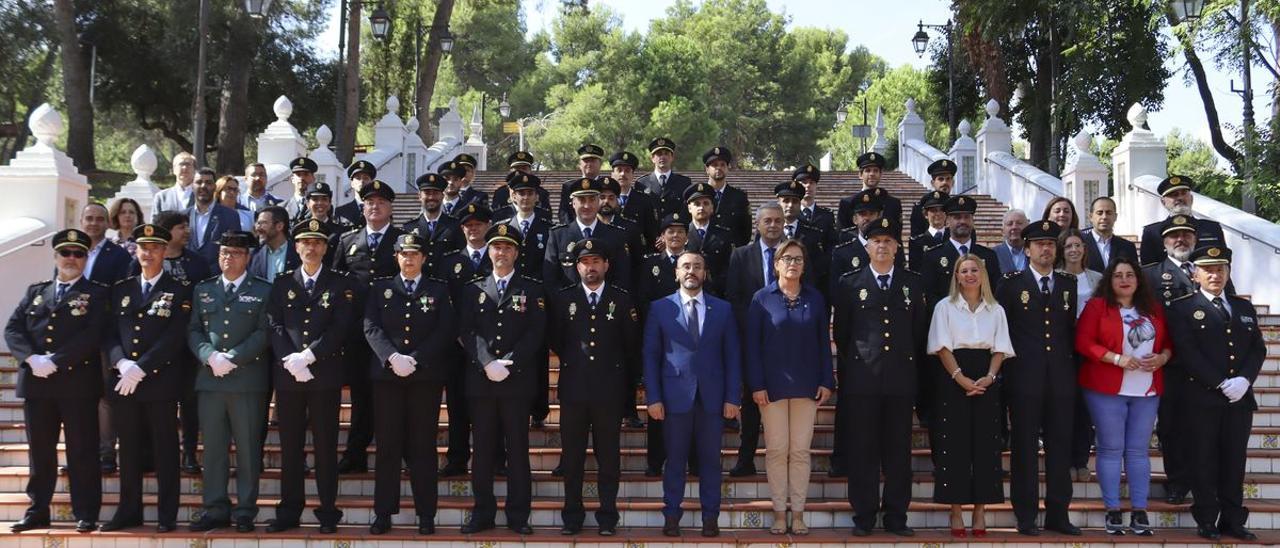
(921, 43)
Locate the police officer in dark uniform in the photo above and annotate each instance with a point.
(633, 202)
(940, 259)
(503, 323)
(439, 233)
(557, 266)
(880, 339)
(790, 197)
(942, 174)
(320, 207)
(535, 224)
(663, 183)
(303, 171)
(733, 208)
(1219, 342)
(811, 213)
(589, 160)
(468, 193)
(54, 337)
(1176, 197)
(310, 312)
(1040, 305)
(715, 242)
(507, 207)
(359, 173)
(595, 330)
(637, 240)
(146, 356)
(409, 321)
(1171, 278)
(851, 253)
(870, 167)
(519, 162)
(931, 236)
(367, 253)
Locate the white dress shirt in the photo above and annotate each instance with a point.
(701, 306)
(93, 257)
(239, 282)
(955, 327)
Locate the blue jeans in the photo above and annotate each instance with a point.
(1124, 425)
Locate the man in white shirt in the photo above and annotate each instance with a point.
(179, 196)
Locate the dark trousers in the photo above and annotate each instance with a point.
(107, 437)
(227, 418)
(881, 441)
(602, 421)
(78, 417)
(656, 447)
(360, 435)
(696, 431)
(506, 419)
(749, 434)
(459, 451)
(542, 399)
(148, 433)
(1171, 432)
(406, 418)
(297, 412)
(189, 411)
(1218, 463)
(1030, 417)
(266, 410)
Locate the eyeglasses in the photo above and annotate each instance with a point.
(232, 252)
(77, 253)
(791, 259)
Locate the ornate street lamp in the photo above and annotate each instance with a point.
(380, 23)
(1186, 11)
(257, 9)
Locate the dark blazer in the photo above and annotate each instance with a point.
(421, 325)
(788, 348)
(112, 264)
(922, 241)
(320, 320)
(824, 220)
(533, 248)
(221, 219)
(940, 262)
(880, 334)
(152, 332)
(643, 208)
(677, 368)
(446, 237)
(655, 279)
(717, 247)
(1167, 281)
(1152, 246)
(471, 195)
(457, 271)
(258, 263)
(892, 210)
(511, 328)
(670, 197)
(502, 199)
(70, 330)
(1211, 349)
(1042, 330)
(733, 211)
(353, 255)
(850, 256)
(599, 349)
(558, 270)
(351, 212)
(1119, 247)
(746, 277)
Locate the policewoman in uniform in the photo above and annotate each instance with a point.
(146, 355)
(409, 321)
(310, 312)
(503, 322)
(595, 330)
(1219, 343)
(53, 335)
(229, 335)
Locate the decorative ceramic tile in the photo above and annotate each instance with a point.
(728, 490)
(590, 489)
(460, 488)
(487, 544)
(197, 486)
(199, 543)
(62, 512)
(919, 440)
(1251, 491)
(553, 439)
(752, 519)
(342, 544)
(1167, 519)
(54, 542)
(1270, 441)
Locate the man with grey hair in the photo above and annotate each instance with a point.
(1010, 252)
(180, 196)
(1177, 196)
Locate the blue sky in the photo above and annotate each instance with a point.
(886, 28)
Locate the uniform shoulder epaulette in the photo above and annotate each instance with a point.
(477, 278)
(99, 284)
(842, 244)
(852, 272)
(1148, 265)
(621, 290)
(1008, 275)
(648, 256)
(212, 278)
(1181, 297)
(934, 246)
(1068, 275)
(380, 278)
(126, 279)
(566, 288)
(559, 225)
(530, 279)
(450, 252)
(435, 279)
(42, 282)
(353, 230)
(911, 272)
(284, 273)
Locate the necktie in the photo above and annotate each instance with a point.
(231, 288)
(448, 208)
(374, 238)
(719, 194)
(662, 182)
(702, 233)
(593, 299)
(431, 228)
(310, 285)
(1044, 285)
(586, 232)
(964, 250)
(146, 290)
(692, 316)
(672, 258)
(768, 259)
(1222, 309)
(408, 286)
(884, 281)
(524, 227)
(62, 292)
(475, 258)
(622, 200)
(502, 288)
(1186, 268)
(790, 230)
(806, 213)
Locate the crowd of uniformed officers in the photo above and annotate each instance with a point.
(723, 312)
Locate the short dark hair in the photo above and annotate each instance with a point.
(207, 171)
(1143, 299)
(169, 219)
(1099, 198)
(278, 214)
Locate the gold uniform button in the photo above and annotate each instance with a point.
(886, 348)
(307, 309)
(226, 322)
(48, 339)
(886, 309)
(137, 328)
(592, 358)
(406, 316)
(133, 354)
(592, 343)
(593, 316)
(1046, 322)
(886, 334)
(135, 341)
(499, 337)
(886, 321)
(139, 314)
(407, 329)
(49, 328)
(1048, 349)
(226, 309)
(406, 341)
(500, 310)
(593, 330)
(305, 333)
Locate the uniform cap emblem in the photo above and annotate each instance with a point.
(1175, 180)
(315, 225)
(377, 185)
(884, 223)
(148, 230)
(866, 198)
(1044, 225)
(71, 237)
(502, 230)
(586, 184)
(588, 244)
(1179, 220)
(1214, 252)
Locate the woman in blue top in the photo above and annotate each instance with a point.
(789, 373)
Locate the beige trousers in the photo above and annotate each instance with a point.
(788, 433)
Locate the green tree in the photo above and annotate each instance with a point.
(29, 58)
(889, 92)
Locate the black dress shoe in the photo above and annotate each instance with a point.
(742, 470)
(428, 528)
(108, 466)
(860, 532)
(710, 529)
(608, 530)
(1064, 527)
(280, 526)
(190, 465)
(568, 530)
(1029, 530)
(86, 526)
(206, 523)
(1239, 533)
(522, 529)
(451, 470)
(166, 527)
(538, 424)
(119, 525)
(671, 526)
(1208, 532)
(380, 525)
(28, 523)
(901, 530)
(244, 525)
(558, 471)
(353, 465)
(651, 472)
(474, 526)
(1177, 495)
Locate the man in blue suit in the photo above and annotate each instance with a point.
(208, 219)
(693, 382)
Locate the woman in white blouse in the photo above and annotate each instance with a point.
(1074, 257)
(970, 336)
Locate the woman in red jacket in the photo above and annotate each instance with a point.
(1122, 342)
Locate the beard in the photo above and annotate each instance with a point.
(608, 211)
(1179, 255)
(1180, 209)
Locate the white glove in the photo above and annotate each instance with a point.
(129, 370)
(303, 374)
(402, 365)
(41, 365)
(497, 370)
(126, 385)
(220, 364)
(1234, 388)
(304, 358)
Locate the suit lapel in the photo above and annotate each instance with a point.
(756, 265)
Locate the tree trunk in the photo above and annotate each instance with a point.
(430, 67)
(1039, 105)
(351, 84)
(1210, 106)
(75, 84)
(234, 114)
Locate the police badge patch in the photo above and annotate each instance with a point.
(1199, 315)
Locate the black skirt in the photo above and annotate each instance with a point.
(965, 437)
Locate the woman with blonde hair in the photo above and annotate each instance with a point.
(970, 335)
(789, 373)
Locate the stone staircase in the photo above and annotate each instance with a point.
(746, 507)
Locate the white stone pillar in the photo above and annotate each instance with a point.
(328, 169)
(141, 189)
(278, 145)
(965, 154)
(1139, 153)
(911, 127)
(388, 141)
(415, 152)
(881, 145)
(475, 144)
(1084, 177)
(993, 136)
